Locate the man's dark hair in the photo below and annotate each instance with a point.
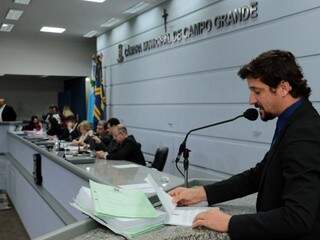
(113, 122)
(55, 108)
(275, 66)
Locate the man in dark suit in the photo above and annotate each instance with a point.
(7, 112)
(128, 148)
(288, 178)
(104, 140)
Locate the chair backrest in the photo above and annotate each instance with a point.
(160, 158)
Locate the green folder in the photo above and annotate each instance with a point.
(110, 201)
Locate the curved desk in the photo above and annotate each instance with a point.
(45, 210)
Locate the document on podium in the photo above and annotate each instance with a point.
(117, 202)
(182, 216)
(128, 227)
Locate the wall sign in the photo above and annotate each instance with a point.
(232, 17)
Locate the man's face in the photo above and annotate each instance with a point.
(112, 129)
(70, 124)
(1, 102)
(100, 130)
(118, 136)
(267, 99)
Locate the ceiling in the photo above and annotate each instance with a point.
(77, 16)
(14, 77)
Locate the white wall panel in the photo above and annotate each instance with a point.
(162, 94)
(204, 87)
(182, 118)
(225, 51)
(226, 156)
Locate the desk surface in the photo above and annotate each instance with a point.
(239, 206)
(103, 171)
(11, 123)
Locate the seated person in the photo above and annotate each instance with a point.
(128, 148)
(70, 131)
(54, 128)
(104, 140)
(53, 113)
(97, 139)
(86, 134)
(56, 114)
(34, 124)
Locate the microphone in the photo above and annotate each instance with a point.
(250, 114)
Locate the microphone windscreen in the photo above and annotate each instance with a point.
(251, 114)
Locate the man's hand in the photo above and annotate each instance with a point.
(101, 154)
(213, 219)
(96, 139)
(188, 196)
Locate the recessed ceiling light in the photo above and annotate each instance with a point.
(136, 8)
(6, 27)
(90, 34)
(98, 1)
(52, 29)
(14, 14)
(25, 2)
(110, 22)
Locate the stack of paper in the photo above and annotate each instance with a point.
(116, 202)
(126, 212)
(129, 212)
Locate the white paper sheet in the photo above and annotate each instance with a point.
(182, 216)
(126, 166)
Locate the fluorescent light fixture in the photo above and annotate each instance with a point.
(98, 1)
(14, 14)
(25, 2)
(90, 34)
(6, 27)
(52, 29)
(110, 22)
(137, 8)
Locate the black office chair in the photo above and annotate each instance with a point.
(160, 158)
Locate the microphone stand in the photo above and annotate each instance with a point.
(185, 151)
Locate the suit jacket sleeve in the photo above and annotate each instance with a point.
(237, 186)
(9, 114)
(300, 161)
(122, 153)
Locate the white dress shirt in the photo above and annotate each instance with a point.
(1, 110)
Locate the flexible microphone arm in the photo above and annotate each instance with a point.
(250, 114)
(183, 144)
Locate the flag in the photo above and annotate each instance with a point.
(91, 97)
(100, 98)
